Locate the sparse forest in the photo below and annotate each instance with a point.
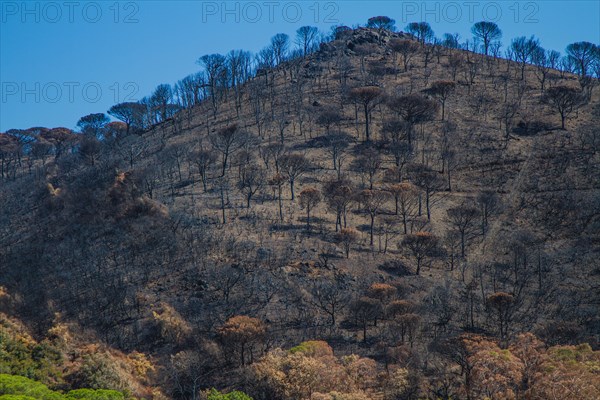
(363, 214)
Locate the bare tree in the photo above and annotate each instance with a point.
(381, 23)
(503, 305)
(309, 199)
(368, 163)
(133, 148)
(10, 154)
(280, 44)
(214, 66)
(367, 97)
(306, 37)
(372, 201)
(204, 161)
(329, 117)
(272, 153)
(394, 139)
(93, 124)
(462, 219)
(565, 100)
(407, 49)
(582, 54)
(451, 40)
(161, 103)
(337, 143)
(331, 296)
(227, 141)
(338, 195)
(421, 245)
(61, 139)
(449, 151)
(365, 310)
(422, 31)
(455, 62)
(542, 65)
(524, 50)
(252, 179)
(177, 154)
(506, 114)
(347, 237)
(413, 109)
(488, 204)
(277, 182)
(293, 166)
(405, 198)
(431, 183)
(239, 67)
(223, 185)
(442, 90)
(189, 92)
(487, 32)
(130, 113)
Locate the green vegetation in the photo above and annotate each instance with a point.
(95, 394)
(235, 395)
(21, 386)
(13, 387)
(96, 372)
(53, 366)
(21, 355)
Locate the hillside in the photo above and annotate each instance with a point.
(414, 205)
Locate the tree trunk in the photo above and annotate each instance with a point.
(427, 205)
(292, 188)
(443, 109)
(203, 176)
(364, 331)
(223, 206)
(242, 354)
(372, 224)
(367, 133)
(280, 206)
(225, 156)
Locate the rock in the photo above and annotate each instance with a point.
(327, 47)
(373, 36)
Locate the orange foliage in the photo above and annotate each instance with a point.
(240, 332)
(311, 371)
(381, 291)
(528, 370)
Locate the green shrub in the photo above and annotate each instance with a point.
(19, 356)
(214, 394)
(96, 372)
(98, 394)
(13, 387)
(22, 386)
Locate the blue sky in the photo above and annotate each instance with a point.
(60, 60)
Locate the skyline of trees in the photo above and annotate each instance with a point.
(222, 73)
